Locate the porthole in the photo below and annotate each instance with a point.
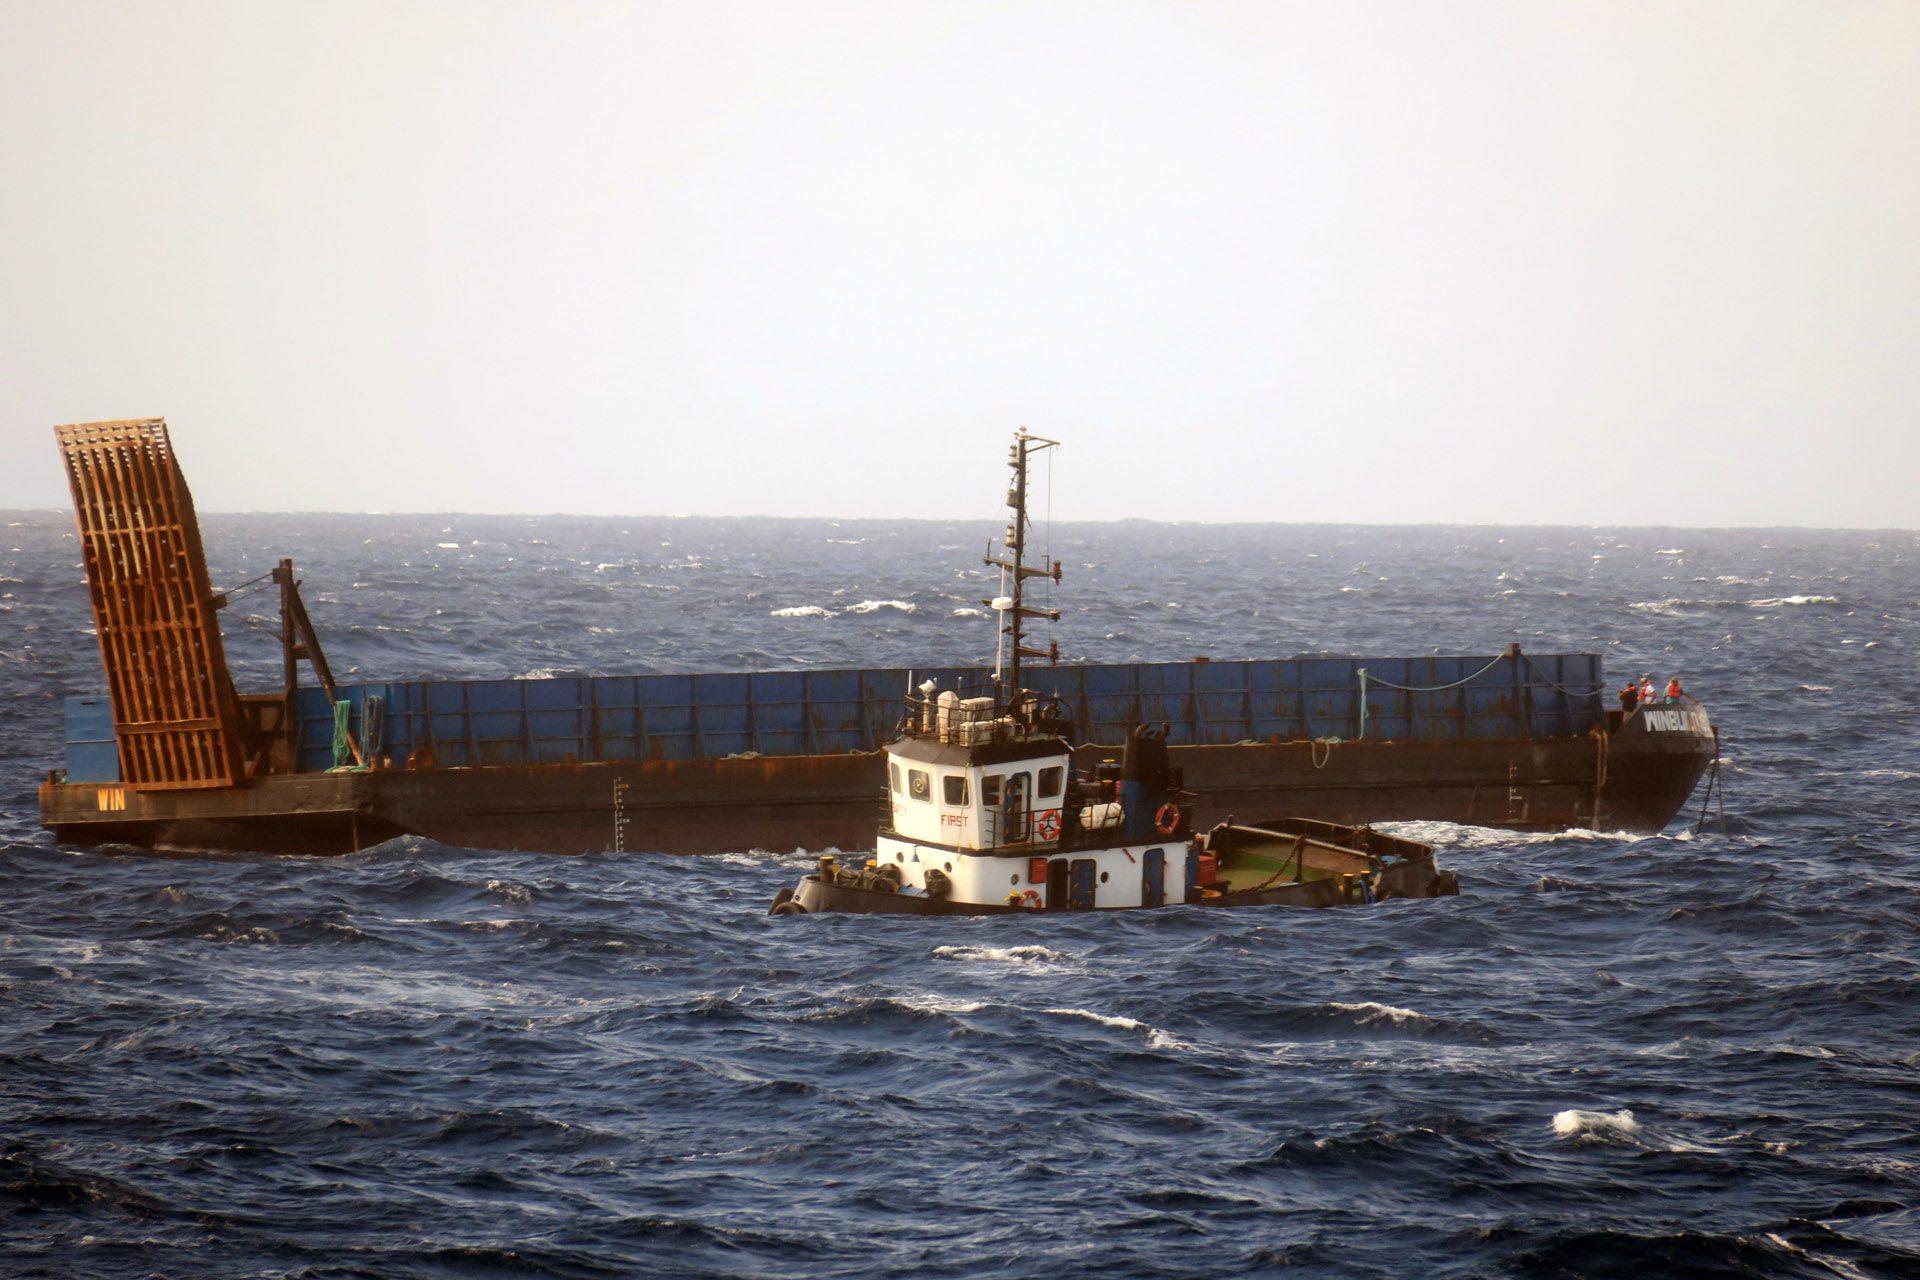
(1103, 877)
(1014, 878)
(948, 866)
(899, 857)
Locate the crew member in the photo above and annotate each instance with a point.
(1674, 692)
(1630, 697)
(1647, 695)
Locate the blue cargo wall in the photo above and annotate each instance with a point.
(683, 717)
(93, 754)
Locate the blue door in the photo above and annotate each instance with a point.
(1080, 895)
(1153, 878)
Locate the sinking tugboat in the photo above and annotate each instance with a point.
(987, 814)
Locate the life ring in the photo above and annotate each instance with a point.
(1167, 819)
(1030, 899)
(1048, 823)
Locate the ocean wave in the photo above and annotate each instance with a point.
(1104, 1019)
(622, 1055)
(870, 606)
(507, 891)
(803, 611)
(1455, 835)
(1674, 604)
(1573, 1123)
(1027, 956)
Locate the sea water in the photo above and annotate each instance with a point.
(1696, 1053)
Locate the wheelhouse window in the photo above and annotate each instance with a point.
(1050, 780)
(919, 784)
(894, 770)
(954, 788)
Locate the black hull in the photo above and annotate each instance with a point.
(1633, 779)
(814, 896)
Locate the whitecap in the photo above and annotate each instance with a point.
(803, 611)
(1026, 955)
(1105, 1020)
(927, 1002)
(448, 546)
(1158, 1039)
(1573, 1121)
(868, 606)
(510, 891)
(964, 612)
(1776, 602)
(1372, 1012)
(761, 857)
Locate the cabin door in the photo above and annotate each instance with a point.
(1153, 878)
(1080, 896)
(1057, 881)
(1016, 819)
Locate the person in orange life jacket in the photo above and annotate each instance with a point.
(1674, 692)
(1630, 697)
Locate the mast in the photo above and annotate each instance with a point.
(1012, 608)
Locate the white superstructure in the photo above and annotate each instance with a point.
(984, 799)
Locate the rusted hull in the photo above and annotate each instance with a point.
(1633, 779)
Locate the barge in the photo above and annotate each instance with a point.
(172, 756)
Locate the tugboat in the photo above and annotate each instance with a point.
(986, 813)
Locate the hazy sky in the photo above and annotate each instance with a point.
(1609, 263)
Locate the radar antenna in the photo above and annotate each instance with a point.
(1014, 570)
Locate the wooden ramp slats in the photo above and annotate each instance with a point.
(175, 715)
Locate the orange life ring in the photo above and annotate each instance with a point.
(1167, 820)
(1049, 824)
